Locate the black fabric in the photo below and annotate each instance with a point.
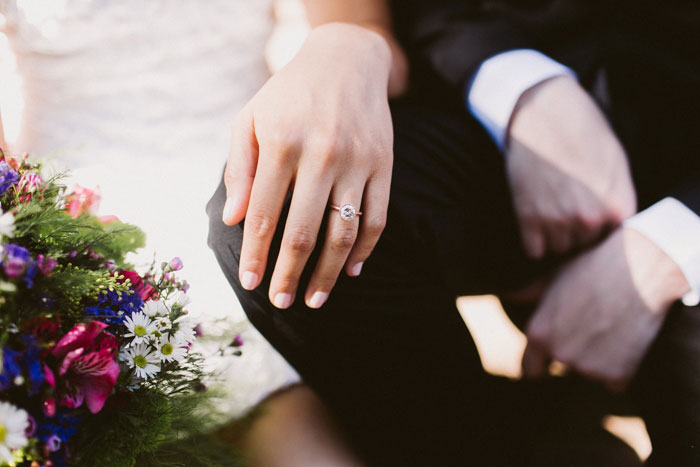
(454, 36)
(391, 356)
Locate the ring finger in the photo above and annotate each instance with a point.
(341, 234)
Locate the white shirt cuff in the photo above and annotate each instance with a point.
(501, 80)
(674, 228)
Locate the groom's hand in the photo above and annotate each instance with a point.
(603, 310)
(568, 172)
(321, 129)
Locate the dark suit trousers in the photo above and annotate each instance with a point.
(392, 358)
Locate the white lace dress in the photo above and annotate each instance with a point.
(137, 97)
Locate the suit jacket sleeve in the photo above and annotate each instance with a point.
(453, 37)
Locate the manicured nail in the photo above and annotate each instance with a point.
(357, 269)
(318, 299)
(283, 300)
(228, 209)
(249, 281)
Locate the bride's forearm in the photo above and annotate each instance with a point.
(374, 15)
(3, 145)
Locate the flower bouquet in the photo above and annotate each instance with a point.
(97, 366)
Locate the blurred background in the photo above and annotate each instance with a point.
(500, 344)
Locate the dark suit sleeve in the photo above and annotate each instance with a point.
(453, 37)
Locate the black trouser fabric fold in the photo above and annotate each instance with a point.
(391, 356)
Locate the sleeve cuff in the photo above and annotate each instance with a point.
(500, 81)
(674, 228)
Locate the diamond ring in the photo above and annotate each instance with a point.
(347, 211)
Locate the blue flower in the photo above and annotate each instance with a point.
(15, 259)
(30, 273)
(32, 364)
(112, 307)
(11, 368)
(8, 177)
(25, 363)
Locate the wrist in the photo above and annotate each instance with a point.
(537, 101)
(373, 45)
(659, 279)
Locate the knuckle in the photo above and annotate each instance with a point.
(324, 283)
(342, 239)
(260, 225)
(300, 240)
(375, 225)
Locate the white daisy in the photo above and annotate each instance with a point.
(163, 324)
(180, 298)
(7, 224)
(185, 331)
(13, 424)
(140, 327)
(154, 308)
(142, 359)
(170, 349)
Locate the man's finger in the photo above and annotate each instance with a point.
(535, 361)
(240, 168)
(533, 240)
(375, 205)
(558, 238)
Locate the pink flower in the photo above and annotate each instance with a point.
(45, 264)
(28, 183)
(88, 369)
(142, 288)
(83, 201)
(108, 218)
(175, 264)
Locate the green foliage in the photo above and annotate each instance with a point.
(151, 429)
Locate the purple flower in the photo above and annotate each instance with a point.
(53, 443)
(176, 264)
(8, 177)
(46, 264)
(31, 427)
(15, 259)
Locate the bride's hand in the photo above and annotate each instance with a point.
(320, 128)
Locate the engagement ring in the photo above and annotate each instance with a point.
(347, 211)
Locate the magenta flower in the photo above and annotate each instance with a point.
(88, 368)
(45, 264)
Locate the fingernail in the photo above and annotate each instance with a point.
(249, 280)
(357, 269)
(283, 300)
(318, 299)
(228, 209)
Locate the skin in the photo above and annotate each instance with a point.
(571, 187)
(603, 310)
(568, 172)
(2, 135)
(296, 430)
(320, 129)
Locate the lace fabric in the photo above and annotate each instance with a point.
(138, 97)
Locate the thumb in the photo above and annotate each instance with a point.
(240, 168)
(535, 361)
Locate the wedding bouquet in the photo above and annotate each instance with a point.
(97, 366)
